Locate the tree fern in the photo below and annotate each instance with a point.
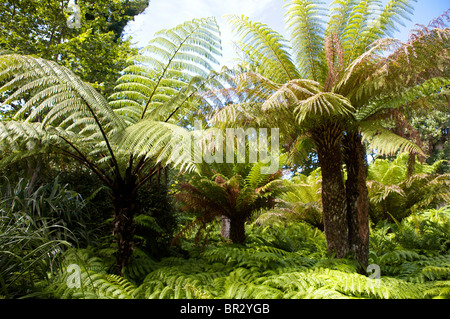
(111, 139)
(233, 197)
(359, 76)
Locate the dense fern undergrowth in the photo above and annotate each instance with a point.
(278, 260)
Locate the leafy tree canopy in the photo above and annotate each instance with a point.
(95, 51)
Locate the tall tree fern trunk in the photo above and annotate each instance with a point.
(125, 208)
(327, 138)
(357, 197)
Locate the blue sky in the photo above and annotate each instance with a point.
(162, 14)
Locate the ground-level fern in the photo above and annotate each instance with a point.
(227, 271)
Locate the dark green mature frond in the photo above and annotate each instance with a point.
(165, 67)
(425, 96)
(305, 24)
(385, 141)
(266, 47)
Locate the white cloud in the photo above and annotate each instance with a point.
(163, 14)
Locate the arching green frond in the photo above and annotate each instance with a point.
(174, 104)
(166, 142)
(166, 68)
(305, 24)
(291, 94)
(64, 94)
(323, 104)
(385, 23)
(340, 15)
(359, 19)
(385, 141)
(264, 46)
(424, 95)
(52, 92)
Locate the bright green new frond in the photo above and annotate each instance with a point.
(385, 24)
(359, 19)
(268, 45)
(340, 15)
(305, 24)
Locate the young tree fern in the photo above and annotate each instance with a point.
(233, 195)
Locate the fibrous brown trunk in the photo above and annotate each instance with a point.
(357, 197)
(124, 211)
(328, 142)
(237, 229)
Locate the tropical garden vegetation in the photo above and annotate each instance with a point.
(102, 194)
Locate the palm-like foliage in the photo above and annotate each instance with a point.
(121, 141)
(341, 85)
